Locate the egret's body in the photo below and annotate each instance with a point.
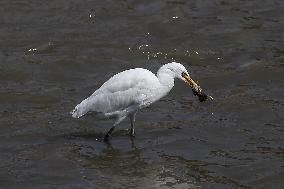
(128, 91)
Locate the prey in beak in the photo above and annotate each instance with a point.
(197, 91)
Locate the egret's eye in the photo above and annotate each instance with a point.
(183, 74)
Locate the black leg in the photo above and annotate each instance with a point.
(132, 133)
(108, 134)
(132, 120)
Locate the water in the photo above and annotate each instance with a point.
(55, 53)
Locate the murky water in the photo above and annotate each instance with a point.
(55, 53)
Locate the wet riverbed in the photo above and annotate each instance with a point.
(55, 53)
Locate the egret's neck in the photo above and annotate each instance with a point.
(166, 79)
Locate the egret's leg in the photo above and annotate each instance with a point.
(109, 133)
(119, 119)
(132, 120)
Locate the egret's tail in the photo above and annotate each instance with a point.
(81, 109)
(76, 113)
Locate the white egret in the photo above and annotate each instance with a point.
(129, 91)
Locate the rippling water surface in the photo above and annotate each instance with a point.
(55, 53)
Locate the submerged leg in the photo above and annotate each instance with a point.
(119, 119)
(109, 133)
(132, 120)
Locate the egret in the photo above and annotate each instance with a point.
(124, 94)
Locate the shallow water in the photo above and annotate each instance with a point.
(55, 53)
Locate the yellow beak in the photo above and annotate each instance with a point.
(190, 81)
(196, 89)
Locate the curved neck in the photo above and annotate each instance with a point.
(166, 79)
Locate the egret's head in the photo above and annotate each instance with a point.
(179, 71)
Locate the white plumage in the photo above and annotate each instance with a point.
(128, 91)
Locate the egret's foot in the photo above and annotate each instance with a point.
(108, 134)
(130, 132)
(106, 138)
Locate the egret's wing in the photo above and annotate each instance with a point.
(131, 88)
(126, 80)
(108, 101)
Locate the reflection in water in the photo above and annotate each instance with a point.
(112, 167)
(197, 171)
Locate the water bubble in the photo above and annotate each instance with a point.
(32, 50)
(92, 15)
(141, 46)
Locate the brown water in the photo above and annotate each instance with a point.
(55, 53)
